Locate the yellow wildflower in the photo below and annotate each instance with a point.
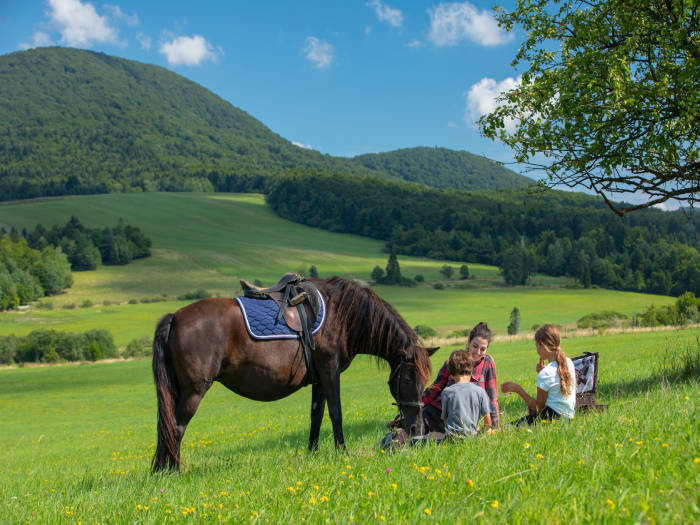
(495, 504)
(427, 511)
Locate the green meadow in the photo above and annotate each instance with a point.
(210, 241)
(76, 440)
(76, 443)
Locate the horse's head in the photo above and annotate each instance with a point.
(407, 380)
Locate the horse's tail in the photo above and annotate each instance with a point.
(167, 453)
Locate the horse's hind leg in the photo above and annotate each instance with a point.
(186, 406)
(318, 405)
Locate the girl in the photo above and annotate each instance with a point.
(556, 389)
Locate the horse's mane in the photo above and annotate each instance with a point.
(364, 321)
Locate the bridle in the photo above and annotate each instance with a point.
(397, 374)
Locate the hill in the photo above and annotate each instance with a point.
(443, 168)
(75, 121)
(210, 241)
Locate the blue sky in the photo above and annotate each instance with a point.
(344, 78)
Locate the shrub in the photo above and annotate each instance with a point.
(425, 331)
(439, 286)
(44, 305)
(140, 347)
(419, 278)
(200, 294)
(133, 301)
(69, 306)
(87, 303)
(599, 320)
(107, 302)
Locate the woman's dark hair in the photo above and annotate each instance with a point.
(460, 363)
(480, 330)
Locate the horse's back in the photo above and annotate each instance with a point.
(213, 344)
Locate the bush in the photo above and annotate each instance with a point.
(44, 305)
(141, 347)
(51, 346)
(69, 306)
(200, 294)
(439, 286)
(425, 331)
(133, 301)
(107, 302)
(87, 303)
(599, 320)
(419, 278)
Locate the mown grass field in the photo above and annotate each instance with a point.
(76, 442)
(210, 241)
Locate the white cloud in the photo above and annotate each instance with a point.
(187, 50)
(482, 98)
(368, 30)
(452, 125)
(79, 23)
(415, 43)
(306, 146)
(145, 41)
(118, 14)
(394, 17)
(451, 23)
(319, 52)
(38, 40)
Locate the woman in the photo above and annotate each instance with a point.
(484, 375)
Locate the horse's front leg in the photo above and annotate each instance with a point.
(318, 406)
(331, 388)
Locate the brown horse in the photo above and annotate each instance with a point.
(207, 341)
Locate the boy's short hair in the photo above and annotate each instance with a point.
(460, 363)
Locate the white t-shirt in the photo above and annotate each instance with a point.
(549, 381)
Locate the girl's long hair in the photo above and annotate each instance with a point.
(548, 335)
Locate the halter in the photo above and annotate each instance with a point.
(397, 373)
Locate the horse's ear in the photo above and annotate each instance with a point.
(432, 350)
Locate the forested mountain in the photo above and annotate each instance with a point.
(522, 230)
(443, 168)
(75, 121)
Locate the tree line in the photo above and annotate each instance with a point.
(27, 274)
(38, 263)
(521, 230)
(86, 248)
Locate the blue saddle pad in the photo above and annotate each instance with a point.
(260, 317)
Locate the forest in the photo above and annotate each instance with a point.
(521, 230)
(38, 263)
(78, 122)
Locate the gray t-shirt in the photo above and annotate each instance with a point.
(463, 404)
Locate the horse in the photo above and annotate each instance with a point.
(207, 341)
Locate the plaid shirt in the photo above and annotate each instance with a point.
(484, 375)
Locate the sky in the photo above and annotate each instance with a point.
(341, 77)
(344, 78)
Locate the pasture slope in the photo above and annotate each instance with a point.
(210, 241)
(76, 442)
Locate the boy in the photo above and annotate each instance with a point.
(464, 403)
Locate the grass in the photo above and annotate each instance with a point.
(77, 440)
(210, 241)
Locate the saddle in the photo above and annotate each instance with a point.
(298, 301)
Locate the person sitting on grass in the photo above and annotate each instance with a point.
(464, 403)
(556, 391)
(483, 375)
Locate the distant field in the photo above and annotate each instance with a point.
(210, 241)
(76, 442)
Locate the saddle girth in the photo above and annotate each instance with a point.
(293, 291)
